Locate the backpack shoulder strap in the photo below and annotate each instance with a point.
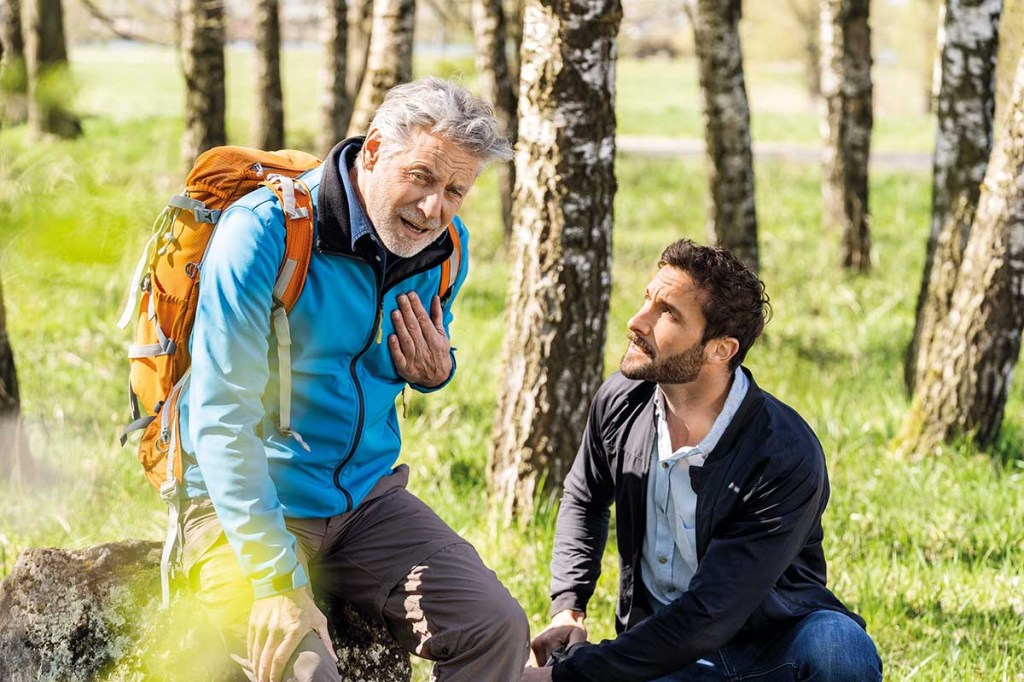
(297, 204)
(450, 268)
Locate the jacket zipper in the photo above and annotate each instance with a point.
(375, 331)
(361, 408)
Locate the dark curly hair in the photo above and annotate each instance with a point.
(733, 301)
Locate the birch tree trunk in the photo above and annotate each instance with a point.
(514, 27)
(496, 85)
(202, 58)
(49, 79)
(334, 102)
(360, 27)
(731, 215)
(963, 389)
(15, 458)
(268, 124)
(13, 74)
(969, 42)
(846, 89)
(389, 62)
(561, 247)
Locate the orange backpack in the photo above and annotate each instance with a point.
(165, 286)
(165, 290)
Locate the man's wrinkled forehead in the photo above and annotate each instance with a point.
(433, 147)
(673, 282)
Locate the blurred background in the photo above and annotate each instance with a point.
(730, 123)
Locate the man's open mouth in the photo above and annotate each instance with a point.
(413, 226)
(637, 343)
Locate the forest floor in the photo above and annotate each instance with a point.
(930, 551)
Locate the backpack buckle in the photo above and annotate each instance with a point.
(169, 490)
(205, 215)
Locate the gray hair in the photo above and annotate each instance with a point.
(448, 111)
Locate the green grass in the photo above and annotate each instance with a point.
(929, 552)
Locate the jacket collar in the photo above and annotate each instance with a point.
(334, 233)
(751, 406)
(640, 441)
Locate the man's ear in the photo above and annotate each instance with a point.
(371, 149)
(721, 350)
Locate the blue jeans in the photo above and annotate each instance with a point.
(824, 646)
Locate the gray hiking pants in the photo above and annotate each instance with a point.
(394, 559)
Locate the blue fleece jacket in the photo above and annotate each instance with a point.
(344, 379)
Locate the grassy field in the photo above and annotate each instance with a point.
(930, 552)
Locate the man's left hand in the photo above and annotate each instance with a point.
(420, 346)
(536, 675)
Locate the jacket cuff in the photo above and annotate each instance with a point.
(281, 584)
(565, 671)
(568, 600)
(430, 389)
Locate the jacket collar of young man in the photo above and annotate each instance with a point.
(345, 230)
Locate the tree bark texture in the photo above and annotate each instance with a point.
(496, 85)
(15, 458)
(389, 62)
(268, 125)
(846, 89)
(11, 30)
(202, 57)
(514, 27)
(49, 79)
(731, 215)
(13, 74)
(334, 102)
(561, 246)
(964, 387)
(969, 42)
(360, 27)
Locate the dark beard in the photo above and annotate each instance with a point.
(681, 368)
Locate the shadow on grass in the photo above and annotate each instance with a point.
(1008, 450)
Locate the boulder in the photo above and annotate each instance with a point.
(95, 614)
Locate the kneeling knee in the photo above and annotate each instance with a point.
(839, 650)
(508, 624)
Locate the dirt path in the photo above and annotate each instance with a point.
(675, 146)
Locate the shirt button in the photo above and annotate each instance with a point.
(663, 560)
(672, 589)
(664, 465)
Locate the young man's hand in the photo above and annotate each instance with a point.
(420, 346)
(276, 626)
(565, 629)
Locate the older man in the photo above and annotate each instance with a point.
(719, 490)
(273, 516)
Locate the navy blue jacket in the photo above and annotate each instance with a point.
(760, 497)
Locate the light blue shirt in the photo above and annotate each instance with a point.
(358, 220)
(669, 557)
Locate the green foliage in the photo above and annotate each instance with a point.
(928, 551)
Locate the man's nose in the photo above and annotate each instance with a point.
(432, 206)
(639, 323)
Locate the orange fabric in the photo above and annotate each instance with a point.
(170, 285)
(223, 175)
(298, 244)
(453, 263)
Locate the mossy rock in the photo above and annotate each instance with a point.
(95, 613)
